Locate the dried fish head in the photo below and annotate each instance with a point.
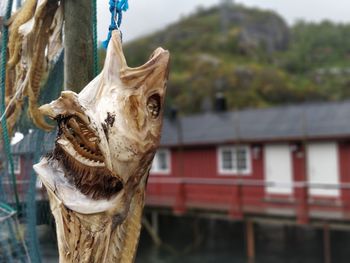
(108, 134)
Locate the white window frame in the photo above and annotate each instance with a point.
(234, 171)
(156, 166)
(17, 170)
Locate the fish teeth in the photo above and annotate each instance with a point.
(63, 142)
(68, 147)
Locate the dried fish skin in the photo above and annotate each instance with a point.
(96, 176)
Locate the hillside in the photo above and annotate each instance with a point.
(252, 56)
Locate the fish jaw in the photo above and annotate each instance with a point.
(112, 128)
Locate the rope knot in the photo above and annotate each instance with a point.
(116, 7)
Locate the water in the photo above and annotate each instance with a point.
(194, 240)
(209, 241)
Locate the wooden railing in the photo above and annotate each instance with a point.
(301, 202)
(238, 196)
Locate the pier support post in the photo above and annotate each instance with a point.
(155, 222)
(250, 241)
(327, 244)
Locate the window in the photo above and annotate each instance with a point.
(161, 162)
(38, 183)
(234, 160)
(16, 164)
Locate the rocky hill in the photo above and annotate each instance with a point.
(252, 56)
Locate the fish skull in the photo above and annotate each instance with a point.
(109, 132)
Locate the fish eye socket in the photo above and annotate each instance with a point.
(154, 106)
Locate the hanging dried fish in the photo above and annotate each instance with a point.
(97, 174)
(35, 40)
(15, 39)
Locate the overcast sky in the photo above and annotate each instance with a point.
(145, 16)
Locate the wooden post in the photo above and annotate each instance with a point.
(152, 231)
(327, 244)
(302, 210)
(250, 241)
(155, 223)
(301, 188)
(180, 201)
(78, 44)
(236, 209)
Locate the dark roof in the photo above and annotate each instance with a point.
(295, 122)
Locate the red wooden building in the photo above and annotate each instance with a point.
(291, 162)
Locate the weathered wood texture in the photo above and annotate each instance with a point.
(78, 43)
